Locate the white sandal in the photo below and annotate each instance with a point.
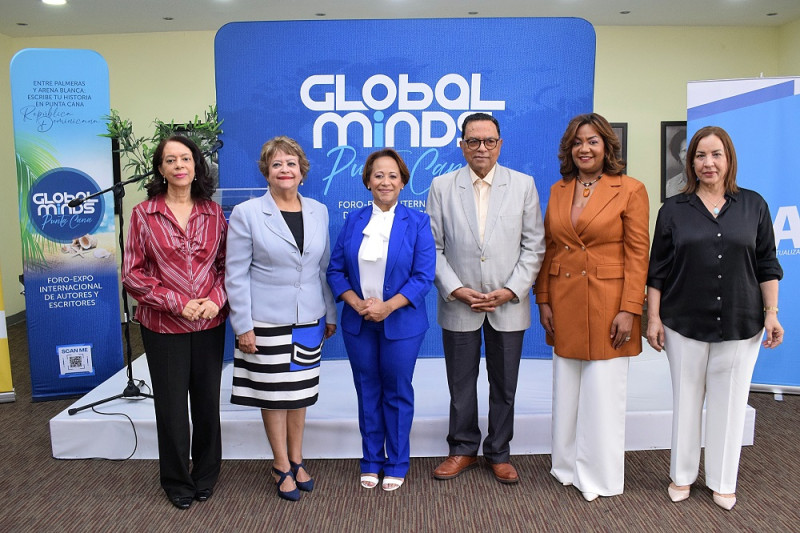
(392, 483)
(369, 481)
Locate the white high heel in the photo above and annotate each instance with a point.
(369, 481)
(391, 483)
(590, 496)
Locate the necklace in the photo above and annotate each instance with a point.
(586, 190)
(715, 209)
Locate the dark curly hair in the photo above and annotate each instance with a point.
(612, 160)
(203, 184)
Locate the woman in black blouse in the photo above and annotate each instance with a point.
(712, 294)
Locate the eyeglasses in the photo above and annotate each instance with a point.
(474, 144)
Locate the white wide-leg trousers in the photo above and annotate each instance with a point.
(720, 373)
(589, 401)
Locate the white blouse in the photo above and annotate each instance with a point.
(373, 251)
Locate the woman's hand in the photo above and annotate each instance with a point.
(200, 308)
(773, 329)
(330, 330)
(208, 309)
(621, 329)
(376, 310)
(193, 309)
(351, 298)
(655, 333)
(546, 319)
(247, 342)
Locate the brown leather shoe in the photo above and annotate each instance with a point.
(505, 472)
(454, 465)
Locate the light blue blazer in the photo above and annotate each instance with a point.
(410, 268)
(266, 277)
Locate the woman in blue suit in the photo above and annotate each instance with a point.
(382, 266)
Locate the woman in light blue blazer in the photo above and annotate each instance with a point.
(382, 266)
(281, 306)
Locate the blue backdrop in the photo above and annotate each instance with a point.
(346, 88)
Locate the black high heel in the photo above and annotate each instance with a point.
(306, 486)
(291, 495)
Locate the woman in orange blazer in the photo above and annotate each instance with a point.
(590, 293)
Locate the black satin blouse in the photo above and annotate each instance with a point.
(709, 270)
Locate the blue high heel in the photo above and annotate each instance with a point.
(291, 495)
(307, 486)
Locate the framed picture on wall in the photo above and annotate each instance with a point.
(673, 158)
(621, 129)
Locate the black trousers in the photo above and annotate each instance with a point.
(462, 356)
(187, 366)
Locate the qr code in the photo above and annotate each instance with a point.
(75, 359)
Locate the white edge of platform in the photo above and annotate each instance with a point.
(332, 425)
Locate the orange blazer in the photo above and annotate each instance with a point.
(596, 269)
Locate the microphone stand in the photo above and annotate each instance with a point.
(131, 390)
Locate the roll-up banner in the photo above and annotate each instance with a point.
(59, 101)
(346, 88)
(761, 116)
(6, 385)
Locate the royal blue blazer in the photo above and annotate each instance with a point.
(410, 268)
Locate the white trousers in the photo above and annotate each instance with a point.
(720, 372)
(588, 446)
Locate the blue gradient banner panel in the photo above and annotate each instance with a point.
(761, 116)
(59, 101)
(346, 88)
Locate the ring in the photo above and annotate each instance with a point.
(627, 339)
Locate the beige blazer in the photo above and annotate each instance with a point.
(509, 256)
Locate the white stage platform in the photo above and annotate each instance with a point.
(332, 424)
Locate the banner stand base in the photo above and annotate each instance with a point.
(774, 389)
(7, 397)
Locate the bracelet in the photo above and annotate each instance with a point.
(770, 308)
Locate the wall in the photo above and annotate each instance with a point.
(641, 78)
(642, 74)
(789, 46)
(10, 247)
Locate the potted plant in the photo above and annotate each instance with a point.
(138, 151)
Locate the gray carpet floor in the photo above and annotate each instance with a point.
(39, 493)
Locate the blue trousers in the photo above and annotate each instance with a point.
(382, 373)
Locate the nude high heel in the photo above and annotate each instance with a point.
(726, 501)
(678, 494)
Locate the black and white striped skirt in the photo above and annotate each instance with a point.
(284, 371)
